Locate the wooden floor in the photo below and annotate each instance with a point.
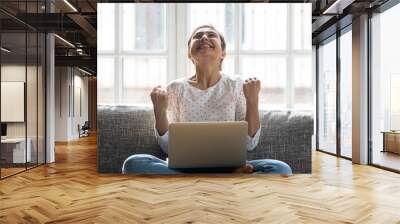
(5, 172)
(387, 159)
(71, 191)
(10, 171)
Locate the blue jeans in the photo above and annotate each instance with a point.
(148, 164)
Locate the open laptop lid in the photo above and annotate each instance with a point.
(207, 144)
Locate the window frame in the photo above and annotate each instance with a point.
(178, 65)
(290, 53)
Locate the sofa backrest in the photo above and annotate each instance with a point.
(126, 130)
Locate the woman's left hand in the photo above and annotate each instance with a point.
(251, 89)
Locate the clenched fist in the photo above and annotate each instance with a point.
(251, 89)
(159, 98)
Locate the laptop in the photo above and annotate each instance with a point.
(207, 144)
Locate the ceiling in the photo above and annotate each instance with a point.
(78, 26)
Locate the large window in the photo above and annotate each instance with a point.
(335, 73)
(269, 41)
(327, 97)
(346, 94)
(385, 88)
(133, 53)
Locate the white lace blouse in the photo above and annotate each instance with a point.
(224, 101)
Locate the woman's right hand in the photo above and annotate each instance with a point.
(159, 98)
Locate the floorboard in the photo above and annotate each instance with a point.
(71, 191)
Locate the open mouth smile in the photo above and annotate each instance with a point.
(205, 46)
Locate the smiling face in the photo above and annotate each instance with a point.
(206, 45)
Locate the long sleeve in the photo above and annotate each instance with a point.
(252, 142)
(240, 115)
(172, 115)
(162, 140)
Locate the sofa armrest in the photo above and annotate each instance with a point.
(286, 136)
(123, 131)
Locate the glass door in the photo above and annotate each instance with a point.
(13, 105)
(22, 76)
(32, 98)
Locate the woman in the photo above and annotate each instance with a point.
(206, 96)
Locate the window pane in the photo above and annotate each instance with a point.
(105, 80)
(105, 26)
(394, 101)
(13, 73)
(32, 98)
(217, 14)
(301, 26)
(140, 75)
(41, 100)
(327, 97)
(144, 26)
(228, 67)
(385, 88)
(303, 92)
(346, 94)
(264, 26)
(272, 73)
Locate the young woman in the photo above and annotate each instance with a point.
(206, 96)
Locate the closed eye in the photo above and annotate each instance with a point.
(200, 34)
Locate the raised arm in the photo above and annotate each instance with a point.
(160, 103)
(251, 90)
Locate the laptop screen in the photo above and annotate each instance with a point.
(3, 129)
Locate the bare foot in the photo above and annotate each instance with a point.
(248, 168)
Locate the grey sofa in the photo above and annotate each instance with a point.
(126, 130)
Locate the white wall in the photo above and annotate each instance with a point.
(79, 117)
(62, 81)
(69, 82)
